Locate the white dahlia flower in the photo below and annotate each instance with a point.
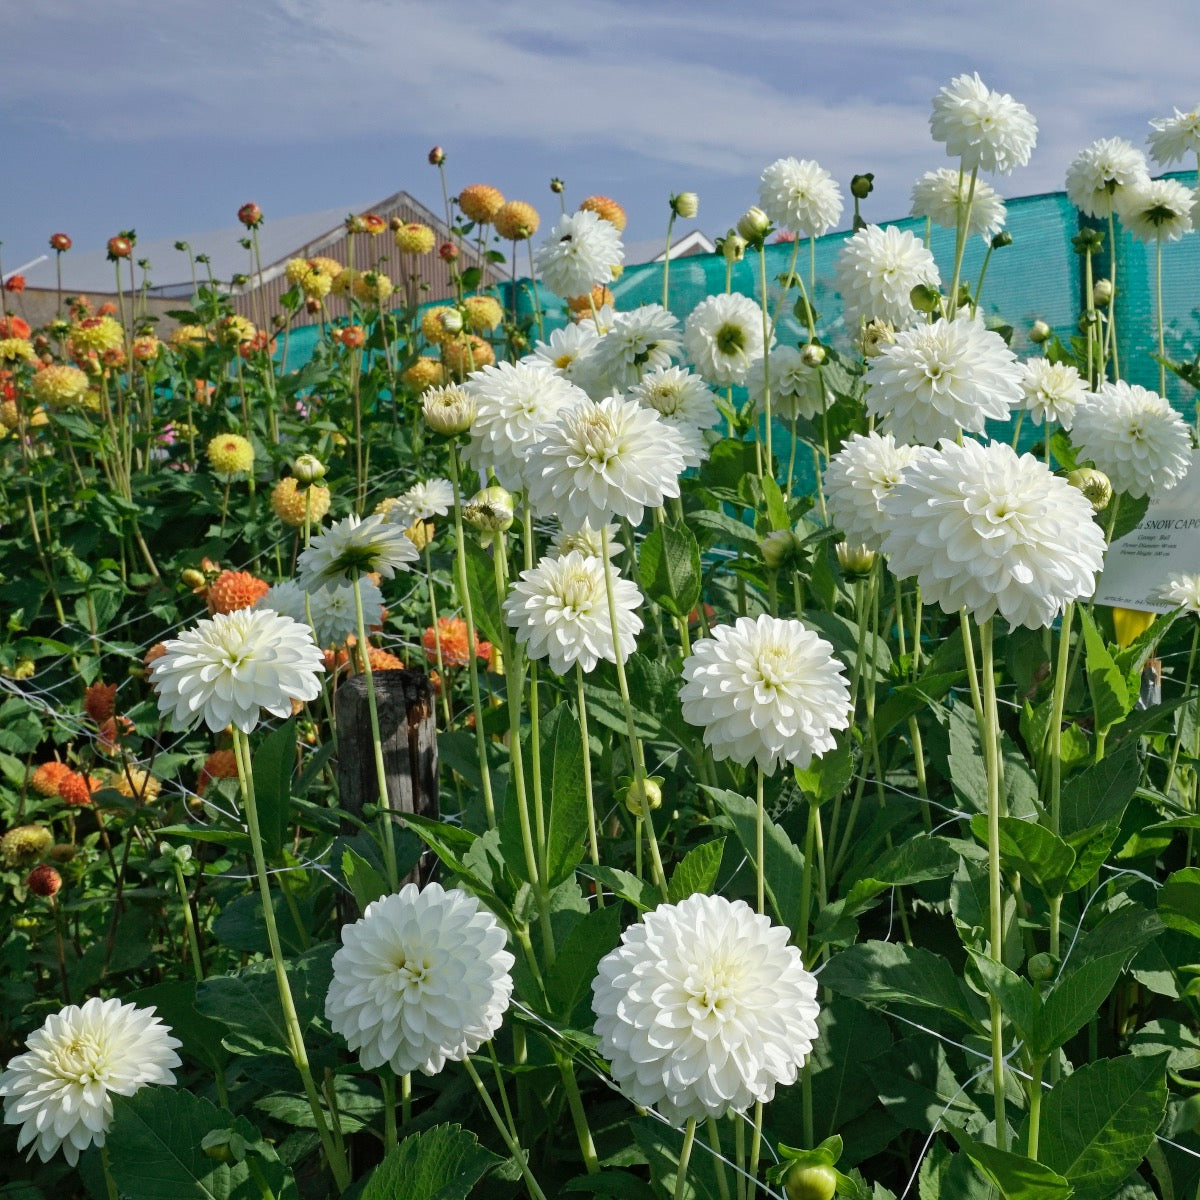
(941, 196)
(684, 401)
(422, 979)
(581, 252)
(876, 272)
(797, 391)
(588, 541)
(60, 1090)
(722, 336)
(1134, 436)
(354, 545)
(800, 195)
(1052, 391)
(1158, 208)
(704, 1009)
(559, 610)
(515, 405)
(232, 665)
(430, 498)
(334, 617)
(643, 339)
(858, 478)
(603, 459)
(566, 349)
(984, 529)
(986, 129)
(937, 379)
(1183, 591)
(765, 690)
(1175, 138)
(1102, 171)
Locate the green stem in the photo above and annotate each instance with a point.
(188, 921)
(685, 1157)
(960, 240)
(587, 1147)
(1187, 687)
(1035, 1109)
(509, 1138)
(387, 1084)
(760, 820)
(666, 295)
(585, 745)
(714, 1142)
(769, 458)
(1158, 309)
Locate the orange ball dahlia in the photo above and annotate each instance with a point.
(233, 590)
(452, 634)
(290, 502)
(46, 778)
(607, 209)
(480, 202)
(517, 221)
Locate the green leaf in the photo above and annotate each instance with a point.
(562, 773)
(828, 776)
(621, 1184)
(643, 896)
(1179, 901)
(1098, 1122)
(442, 1163)
(1032, 850)
(697, 871)
(175, 1003)
(569, 977)
(1100, 793)
(1076, 998)
(1111, 699)
(273, 763)
(155, 1153)
(364, 880)
(777, 513)
(1016, 995)
(669, 568)
(481, 582)
(1013, 1175)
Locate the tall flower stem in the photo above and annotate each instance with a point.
(714, 1143)
(666, 297)
(960, 238)
(1110, 334)
(1158, 312)
(769, 463)
(464, 598)
(437, 637)
(509, 1138)
(685, 1157)
(385, 801)
(991, 741)
(1187, 687)
(593, 840)
(291, 1021)
(760, 821)
(189, 923)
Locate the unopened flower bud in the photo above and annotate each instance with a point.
(1039, 332)
(733, 246)
(1002, 239)
(63, 852)
(1102, 293)
(644, 797)
(685, 205)
(557, 186)
(812, 354)
(451, 320)
(448, 410)
(780, 548)
(876, 334)
(861, 186)
(856, 561)
(1042, 967)
(192, 578)
(490, 510)
(753, 225)
(1095, 486)
(44, 881)
(308, 469)
(1088, 241)
(447, 251)
(395, 223)
(437, 156)
(250, 215)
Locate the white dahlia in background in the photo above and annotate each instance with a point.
(858, 478)
(430, 498)
(603, 459)
(515, 405)
(334, 617)
(1175, 138)
(722, 336)
(941, 196)
(234, 664)
(765, 690)
(800, 195)
(354, 546)
(937, 379)
(1134, 436)
(796, 388)
(60, 1090)
(587, 541)
(876, 271)
(986, 129)
(684, 402)
(581, 252)
(565, 350)
(984, 529)
(1102, 171)
(422, 979)
(1052, 391)
(643, 339)
(1183, 591)
(1158, 208)
(559, 610)
(704, 1009)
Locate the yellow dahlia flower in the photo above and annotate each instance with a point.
(288, 502)
(10, 414)
(145, 348)
(414, 238)
(433, 327)
(467, 353)
(59, 386)
(373, 287)
(297, 269)
(25, 844)
(12, 349)
(484, 313)
(98, 333)
(136, 784)
(345, 280)
(517, 221)
(183, 336)
(235, 330)
(480, 202)
(230, 454)
(425, 373)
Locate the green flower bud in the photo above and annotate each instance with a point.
(1042, 968)
(810, 1183)
(646, 796)
(685, 205)
(1002, 239)
(861, 186)
(1095, 486)
(1039, 332)
(877, 334)
(490, 510)
(925, 298)
(754, 225)
(733, 246)
(856, 561)
(812, 354)
(308, 469)
(1102, 293)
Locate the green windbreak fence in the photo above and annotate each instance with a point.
(1039, 276)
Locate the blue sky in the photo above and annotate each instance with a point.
(166, 115)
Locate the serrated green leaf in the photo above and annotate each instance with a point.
(1075, 999)
(669, 568)
(569, 977)
(1100, 793)
(272, 764)
(1013, 1175)
(1111, 699)
(1179, 901)
(562, 775)
(1032, 850)
(364, 880)
(697, 871)
(442, 1163)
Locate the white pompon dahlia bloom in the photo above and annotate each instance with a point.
(1175, 138)
(643, 339)
(60, 1090)
(678, 396)
(422, 979)
(234, 664)
(941, 196)
(559, 610)
(722, 336)
(858, 478)
(765, 690)
(704, 1009)
(334, 617)
(588, 541)
(1134, 436)
(354, 546)
(986, 530)
(797, 390)
(876, 271)
(1157, 209)
(937, 379)
(581, 252)
(986, 129)
(800, 195)
(515, 405)
(1183, 591)
(1101, 172)
(566, 349)
(1052, 391)
(429, 498)
(603, 459)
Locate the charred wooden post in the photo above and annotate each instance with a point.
(408, 732)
